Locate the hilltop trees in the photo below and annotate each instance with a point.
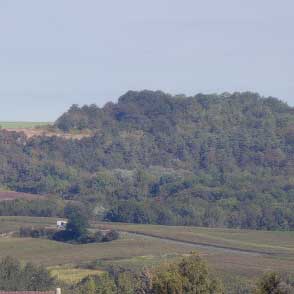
(208, 160)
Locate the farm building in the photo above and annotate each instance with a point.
(61, 224)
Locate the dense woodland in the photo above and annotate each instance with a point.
(208, 160)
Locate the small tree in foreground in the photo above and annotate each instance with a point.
(17, 277)
(274, 283)
(189, 276)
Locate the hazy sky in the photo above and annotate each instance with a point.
(59, 52)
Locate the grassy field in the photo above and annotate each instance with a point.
(242, 252)
(22, 125)
(35, 129)
(71, 275)
(13, 223)
(260, 251)
(271, 242)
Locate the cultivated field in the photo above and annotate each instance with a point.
(36, 129)
(10, 195)
(13, 223)
(22, 125)
(229, 252)
(71, 275)
(270, 242)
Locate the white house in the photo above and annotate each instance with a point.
(61, 224)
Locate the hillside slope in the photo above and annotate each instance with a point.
(212, 160)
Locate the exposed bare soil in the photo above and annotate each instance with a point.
(5, 196)
(38, 132)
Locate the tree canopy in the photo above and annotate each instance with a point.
(208, 160)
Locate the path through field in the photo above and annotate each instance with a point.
(200, 245)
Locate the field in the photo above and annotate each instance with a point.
(228, 252)
(268, 242)
(71, 275)
(35, 129)
(13, 223)
(242, 252)
(22, 125)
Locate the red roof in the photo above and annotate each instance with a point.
(27, 292)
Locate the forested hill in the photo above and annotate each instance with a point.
(224, 132)
(212, 160)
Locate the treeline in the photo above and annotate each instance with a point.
(190, 275)
(16, 276)
(202, 213)
(186, 276)
(209, 160)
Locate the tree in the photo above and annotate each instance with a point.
(189, 276)
(76, 228)
(10, 272)
(77, 220)
(88, 286)
(274, 283)
(102, 284)
(15, 277)
(168, 280)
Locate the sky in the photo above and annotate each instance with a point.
(61, 52)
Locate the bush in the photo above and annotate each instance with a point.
(110, 236)
(189, 276)
(275, 283)
(67, 236)
(31, 232)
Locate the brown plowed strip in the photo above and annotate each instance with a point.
(6, 196)
(35, 132)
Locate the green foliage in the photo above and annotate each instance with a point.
(207, 160)
(146, 212)
(77, 227)
(168, 280)
(189, 276)
(238, 285)
(274, 283)
(36, 232)
(43, 207)
(77, 220)
(102, 284)
(15, 277)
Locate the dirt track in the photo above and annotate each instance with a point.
(200, 245)
(35, 132)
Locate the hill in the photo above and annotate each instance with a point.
(207, 160)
